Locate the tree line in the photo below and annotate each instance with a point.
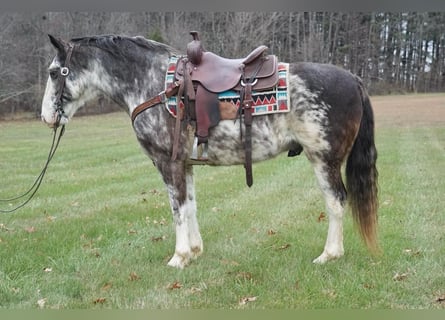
(392, 51)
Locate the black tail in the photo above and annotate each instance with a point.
(361, 176)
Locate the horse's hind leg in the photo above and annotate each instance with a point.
(331, 184)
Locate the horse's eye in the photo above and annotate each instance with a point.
(53, 74)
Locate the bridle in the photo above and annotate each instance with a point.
(58, 103)
(64, 72)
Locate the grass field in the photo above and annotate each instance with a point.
(99, 232)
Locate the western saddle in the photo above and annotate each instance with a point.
(206, 74)
(200, 77)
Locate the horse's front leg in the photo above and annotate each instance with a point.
(179, 180)
(195, 239)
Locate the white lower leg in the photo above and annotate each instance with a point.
(182, 248)
(334, 243)
(180, 216)
(194, 235)
(188, 238)
(195, 240)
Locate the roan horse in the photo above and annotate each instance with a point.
(330, 119)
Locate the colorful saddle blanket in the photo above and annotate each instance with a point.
(275, 100)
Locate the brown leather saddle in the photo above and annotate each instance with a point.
(208, 74)
(203, 75)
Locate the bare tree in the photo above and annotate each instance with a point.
(392, 51)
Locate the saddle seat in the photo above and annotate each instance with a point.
(218, 74)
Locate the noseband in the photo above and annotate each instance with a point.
(64, 72)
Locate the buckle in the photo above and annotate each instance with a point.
(163, 97)
(243, 84)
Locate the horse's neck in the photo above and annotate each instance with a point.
(137, 83)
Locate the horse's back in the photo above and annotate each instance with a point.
(332, 84)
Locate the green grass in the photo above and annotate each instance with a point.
(99, 233)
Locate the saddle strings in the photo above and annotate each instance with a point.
(250, 81)
(33, 189)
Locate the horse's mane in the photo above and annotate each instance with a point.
(117, 43)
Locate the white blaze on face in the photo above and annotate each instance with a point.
(48, 109)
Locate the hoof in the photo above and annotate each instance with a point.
(179, 261)
(325, 257)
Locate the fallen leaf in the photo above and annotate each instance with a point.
(441, 299)
(30, 229)
(132, 232)
(284, 246)
(400, 276)
(412, 253)
(107, 286)
(175, 285)
(255, 230)
(246, 300)
(99, 300)
(329, 293)
(244, 275)
(368, 286)
(195, 290)
(50, 218)
(271, 232)
(156, 239)
(41, 303)
(229, 262)
(47, 269)
(154, 191)
(321, 217)
(134, 276)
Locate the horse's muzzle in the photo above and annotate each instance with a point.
(55, 121)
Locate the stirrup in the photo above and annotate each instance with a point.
(199, 152)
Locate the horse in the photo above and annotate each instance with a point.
(330, 119)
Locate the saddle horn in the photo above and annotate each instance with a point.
(195, 49)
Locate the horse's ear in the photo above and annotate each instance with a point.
(59, 44)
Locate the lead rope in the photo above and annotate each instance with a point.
(32, 191)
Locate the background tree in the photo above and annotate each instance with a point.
(392, 51)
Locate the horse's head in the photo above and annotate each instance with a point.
(67, 88)
(129, 70)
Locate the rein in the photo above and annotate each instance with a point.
(175, 89)
(64, 72)
(160, 98)
(32, 191)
